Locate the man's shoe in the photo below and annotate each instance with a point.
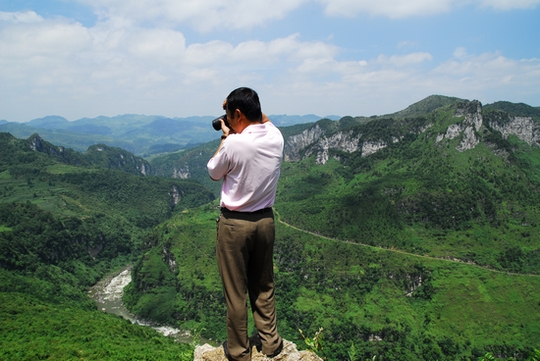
(226, 350)
(255, 341)
(277, 351)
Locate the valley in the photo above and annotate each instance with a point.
(411, 236)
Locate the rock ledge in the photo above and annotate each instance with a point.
(289, 353)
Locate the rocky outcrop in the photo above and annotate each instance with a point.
(525, 128)
(289, 353)
(343, 141)
(181, 172)
(37, 144)
(117, 158)
(468, 128)
(369, 148)
(168, 257)
(296, 143)
(175, 196)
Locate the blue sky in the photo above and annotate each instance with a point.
(177, 58)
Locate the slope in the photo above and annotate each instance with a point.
(416, 238)
(63, 226)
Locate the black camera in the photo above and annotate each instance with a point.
(217, 124)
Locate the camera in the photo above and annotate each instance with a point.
(217, 124)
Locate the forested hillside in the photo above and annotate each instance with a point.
(411, 238)
(66, 220)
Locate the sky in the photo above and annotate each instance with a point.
(179, 58)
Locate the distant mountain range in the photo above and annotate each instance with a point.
(146, 136)
(141, 135)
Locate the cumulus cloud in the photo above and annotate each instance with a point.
(136, 60)
(202, 15)
(403, 9)
(490, 71)
(210, 15)
(20, 17)
(61, 63)
(389, 8)
(510, 4)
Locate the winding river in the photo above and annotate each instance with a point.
(108, 293)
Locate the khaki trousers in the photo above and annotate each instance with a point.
(244, 250)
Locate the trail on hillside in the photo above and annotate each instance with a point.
(454, 260)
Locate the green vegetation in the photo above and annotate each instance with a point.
(425, 198)
(63, 226)
(35, 330)
(415, 252)
(374, 301)
(179, 273)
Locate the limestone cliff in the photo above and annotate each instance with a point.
(525, 128)
(468, 126)
(467, 129)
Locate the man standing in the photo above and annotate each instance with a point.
(248, 160)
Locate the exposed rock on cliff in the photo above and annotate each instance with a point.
(182, 172)
(289, 353)
(522, 127)
(37, 144)
(473, 120)
(294, 144)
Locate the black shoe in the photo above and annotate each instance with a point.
(277, 351)
(226, 350)
(255, 341)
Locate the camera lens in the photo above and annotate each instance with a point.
(216, 123)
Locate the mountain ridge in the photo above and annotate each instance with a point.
(145, 135)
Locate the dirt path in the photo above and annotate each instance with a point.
(454, 260)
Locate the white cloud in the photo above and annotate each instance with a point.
(388, 8)
(490, 71)
(20, 17)
(402, 9)
(405, 60)
(202, 15)
(134, 60)
(510, 4)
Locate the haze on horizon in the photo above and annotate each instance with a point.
(86, 58)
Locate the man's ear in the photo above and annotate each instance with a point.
(238, 113)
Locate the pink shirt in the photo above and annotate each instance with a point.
(249, 164)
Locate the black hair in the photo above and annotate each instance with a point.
(247, 101)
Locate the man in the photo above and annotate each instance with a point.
(248, 160)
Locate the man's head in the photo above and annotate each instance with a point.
(246, 101)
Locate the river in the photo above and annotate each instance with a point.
(108, 293)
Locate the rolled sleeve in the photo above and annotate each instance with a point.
(217, 166)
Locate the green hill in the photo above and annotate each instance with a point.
(66, 220)
(411, 238)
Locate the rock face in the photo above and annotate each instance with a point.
(289, 353)
(470, 124)
(466, 129)
(522, 127)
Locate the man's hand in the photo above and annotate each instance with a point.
(226, 130)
